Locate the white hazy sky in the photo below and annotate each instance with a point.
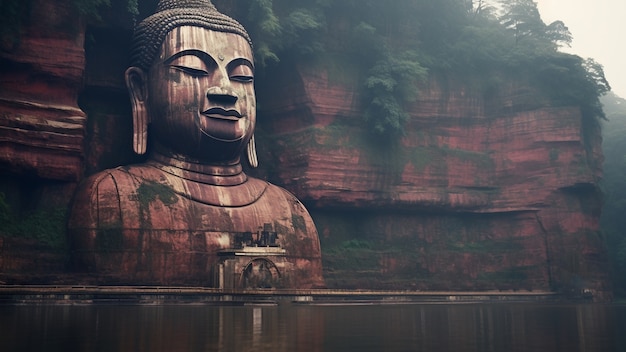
(599, 31)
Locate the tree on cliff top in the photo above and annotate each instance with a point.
(522, 19)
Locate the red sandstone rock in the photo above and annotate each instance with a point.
(42, 128)
(519, 184)
(479, 194)
(154, 224)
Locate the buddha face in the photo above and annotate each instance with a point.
(200, 94)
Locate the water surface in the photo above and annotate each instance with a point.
(304, 328)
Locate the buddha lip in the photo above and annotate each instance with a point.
(219, 113)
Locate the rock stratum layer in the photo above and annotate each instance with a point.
(41, 126)
(478, 193)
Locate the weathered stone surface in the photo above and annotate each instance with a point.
(41, 126)
(154, 224)
(454, 155)
(189, 215)
(27, 260)
(478, 193)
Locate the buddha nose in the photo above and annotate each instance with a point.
(222, 95)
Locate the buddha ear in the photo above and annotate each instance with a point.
(251, 153)
(138, 88)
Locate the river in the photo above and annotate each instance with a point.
(307, 328)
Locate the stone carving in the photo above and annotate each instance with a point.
(190, 215)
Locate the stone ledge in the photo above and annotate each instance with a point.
(60, 294)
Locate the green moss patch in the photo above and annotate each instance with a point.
(44, 225)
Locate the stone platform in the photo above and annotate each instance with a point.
(60, 294)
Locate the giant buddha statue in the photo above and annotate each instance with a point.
(190, 215)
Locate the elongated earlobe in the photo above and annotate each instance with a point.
(137, 87)
(251, 153)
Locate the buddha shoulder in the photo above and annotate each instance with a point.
(108, 184)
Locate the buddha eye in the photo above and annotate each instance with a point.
(241, 73)
(191, 71)
(190, 64)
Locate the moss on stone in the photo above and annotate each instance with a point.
(554, 155)
(513, 276)
(110, 239)
(482, 160)
(486, 246)
(353, 255)
(299, 223)
(339, 68)
(149, 191)
(420, 157)
(47, 226)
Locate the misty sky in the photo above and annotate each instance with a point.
(598, 28)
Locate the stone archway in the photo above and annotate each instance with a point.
(260, 273)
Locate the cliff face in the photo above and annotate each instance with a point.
(479, 193)
(42, 134)
(42, 128)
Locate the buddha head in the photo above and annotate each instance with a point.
(192, 80)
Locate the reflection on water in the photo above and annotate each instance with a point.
(303, 328)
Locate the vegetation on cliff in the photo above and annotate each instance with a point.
(47, 226)
(389, 48)
(395, 45)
